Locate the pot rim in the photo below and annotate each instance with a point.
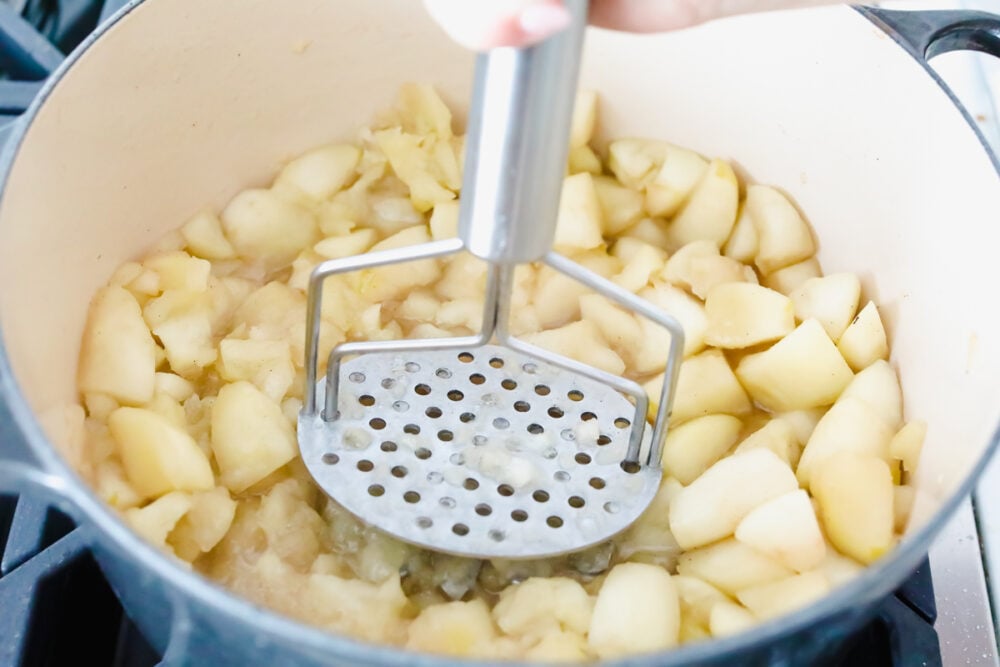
(875, 582)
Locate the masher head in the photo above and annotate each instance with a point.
(483, 452)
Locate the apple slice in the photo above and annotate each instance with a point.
(777, 598)
(743, 315)
(786, 529)
(710, 211)
(831, 300)
(864, 341)
(692, 447)
(850, 425)
(637, 611)
(731, 566)
(784, 238)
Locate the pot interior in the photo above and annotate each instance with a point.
(185, 102)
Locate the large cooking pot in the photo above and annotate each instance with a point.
(176, 103)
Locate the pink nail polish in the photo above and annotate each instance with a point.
(542, 20)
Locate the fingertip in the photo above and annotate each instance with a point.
(543, 20)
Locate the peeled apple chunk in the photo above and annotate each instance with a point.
(802, 370)
(710, 212)
(205, 524)
(783, 237)
(695, 445)
(681, 172)
(855, 495)
(540, 606)
(118, 356)
(637, 611)
(621, 207)
(728, 618)
(776, 435)
(158, 456)
(907, 444)
(831, 300)
(155, 521)
(322, 171)
(742, 315)
(850, 425)
(453, 628)
(578, 226)
(878, 386)
(864, 342)
(773, 599)
(263, 226)
(706, 385)
(731, 566)
(250, 436)
(712, 506)
(785, 529)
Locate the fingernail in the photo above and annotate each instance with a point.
(543, 20)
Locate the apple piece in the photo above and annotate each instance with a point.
(802, 370)
(788, 279)
(250, 436)
(728, 618)
(155, 521)
(182, 320)
(347, 245)
(850, 425)
(709, 272)
(118, 354)
(636, 162)
(321, 172)
(787, 530)
(204, 525)
(902, 506)
(855, 495)
(776, 435)
(864, 342)
(743, 315)
(690, 314)
(831, 300)
(706, 386)
(637, 611)
(784, 238)
(650, 230)
(743, 244)
(777, 598)
(579, 224)
(158, 456)
(581, 341)
(712, 506)
(697, 598)
(541, 605)
(673, 184)
(412, 160)
(691, 448)
(454, 628)
(710, 211)
(422, 111)
(731, 566)
(584, 118)
(266, 363)
(839, 569)
(263, 226)
(640, 262)
(583, 159)
(392, 282)
(204, 237)
(444, 220)
(173, 386)
(878, 386)
(619, 328)
(907, 444)
(621, 207)
(803, 422)
(678, 268)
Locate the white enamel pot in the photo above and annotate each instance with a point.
(179, 103)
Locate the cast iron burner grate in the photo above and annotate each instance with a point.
(56, 607)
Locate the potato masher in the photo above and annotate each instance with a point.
(485, 445)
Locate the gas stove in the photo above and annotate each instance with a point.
(56, 608)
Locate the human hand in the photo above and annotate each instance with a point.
(485, 24)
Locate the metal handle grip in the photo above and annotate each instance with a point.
(930, 33)
(518, 143)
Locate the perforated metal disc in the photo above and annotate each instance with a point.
(485, 453)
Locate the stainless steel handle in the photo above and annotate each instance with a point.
(517, 145)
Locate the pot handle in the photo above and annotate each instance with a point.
(930, 33)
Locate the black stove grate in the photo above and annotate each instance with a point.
(56, 607)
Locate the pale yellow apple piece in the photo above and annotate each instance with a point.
(706, 386)
(619, 328)
(743, 315)
(321, 172)
(205, 524)
(802, 370)
(678, 268)
(118, 355)
(583, 159)
(907, 444)
(878, 386)
(155, 521)
(776, 435)
(454, 628)
(540, 606)
(710, 211)
(264, 227)
(621, 207)
(697, 598)
(204, 236)
(348, 245)
(864, 341)
(743, 244)
(831, 300)
(855, 495)
(689, 313)
(584, 118)
(777, 598)
(444, 220)
(902, 506)
(640, 261)
(728, 618)
(850, 425)
(691, 448)
(636, 162)
(786, 529)
(731, 566)
(250, 436)
(579, 224)
(158, 456)
(392, 282)
(712, 506)
(788, 279)
(680, 174)
(784, 238)
(581, 341)
(637, 611)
